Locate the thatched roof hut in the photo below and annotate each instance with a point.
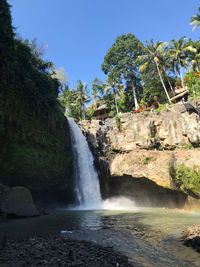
(101, 113)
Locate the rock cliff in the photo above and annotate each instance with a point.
(148, 146)
(34, 135)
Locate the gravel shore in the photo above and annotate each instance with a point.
(59, 251)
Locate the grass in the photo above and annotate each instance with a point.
(161, 107)
(145, 160)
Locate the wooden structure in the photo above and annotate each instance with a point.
(180, 93)
(101, 113)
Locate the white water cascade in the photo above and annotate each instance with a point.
(87, 187)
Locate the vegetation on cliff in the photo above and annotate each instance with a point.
(140, 74)
(34, 137)
(188, 179)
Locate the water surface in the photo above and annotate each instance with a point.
(148, 236)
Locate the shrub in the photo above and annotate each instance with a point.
(188, 178)
(161, 107)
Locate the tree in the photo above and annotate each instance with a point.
(167, 66)
(194, 56)
(7, 53)
(195, 20)
(178, 53)
(97, 88)
(37, 52)
(65, 99)
(113, 82)
(6, 30)
(61, 76)
(153, 54)
(122, 57)
(82, 96)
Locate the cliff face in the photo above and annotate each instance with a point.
(34, 136)
(173, 127)
(146, 145)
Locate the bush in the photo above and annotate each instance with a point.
(161, 107)
(188, 178)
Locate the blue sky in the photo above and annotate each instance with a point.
(80, 32)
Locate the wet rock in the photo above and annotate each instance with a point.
(18, 201)
(191, 237)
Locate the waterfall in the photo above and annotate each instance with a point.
(87, 187)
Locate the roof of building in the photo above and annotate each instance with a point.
(100, 110)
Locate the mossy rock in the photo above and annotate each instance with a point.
(18, 201)
(188, 180)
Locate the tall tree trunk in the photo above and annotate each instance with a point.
(66, 110)
(134, 95)
(181, 73)
(95, 99)
(170, 85)
(115, 100)
(83, 111)
(162, 82)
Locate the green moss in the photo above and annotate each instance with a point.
(22, 194)
(188, 179)
(145, 160)
(175, 125)
(35, 152)
(187, 146)
(161, 107)
(34, 135)
(3, 188)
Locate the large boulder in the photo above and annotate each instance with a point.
(18, 201)
(191, 237)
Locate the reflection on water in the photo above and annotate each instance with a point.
(91, 221)
(149, 237)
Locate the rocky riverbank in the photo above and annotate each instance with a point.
(191, 237)
(59, 251)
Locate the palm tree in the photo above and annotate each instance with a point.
(194, 57)
(97, 87)
(153, 54)
(178, 53)
(82, 96)
(166, 65)
(195, 20)
(65, 99)
(113, 82)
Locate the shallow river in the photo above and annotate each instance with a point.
(148, 236)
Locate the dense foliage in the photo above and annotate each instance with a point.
(33, 131)
(140, 75)
(188, 179)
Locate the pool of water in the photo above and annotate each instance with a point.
(148, 236)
